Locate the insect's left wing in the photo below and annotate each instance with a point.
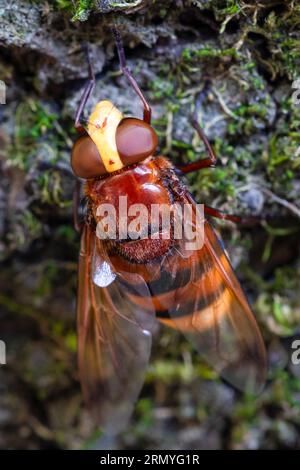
(114, 339)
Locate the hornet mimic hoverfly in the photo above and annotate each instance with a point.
(127, 284)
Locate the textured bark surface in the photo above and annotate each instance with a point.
(249, 51)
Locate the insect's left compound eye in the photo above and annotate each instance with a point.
(86, 161)
(136, 140)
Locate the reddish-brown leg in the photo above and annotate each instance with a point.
(130, 78)
(78, 126)
(244, 220)
(76, 202)
(78, 225)
(211, 160)
(86, 93)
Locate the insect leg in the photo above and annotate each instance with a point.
(244, 220)
(211, 160)
(78, 224)
(86, 93)
(130, 78)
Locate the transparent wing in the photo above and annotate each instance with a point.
(213, 313)
(197, 292)
(114, 338)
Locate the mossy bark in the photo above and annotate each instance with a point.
(249, 52)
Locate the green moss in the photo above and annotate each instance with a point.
(66, 233)
(123, 4)
(290, 56)
(50, 274)
(250, 67)
(249, 416)
(278, 304)
(38, 138)
(192, 55)
(283, 161)
(144, 416)
(246, 410)
(32, 225)
(90, 442)
(162, 88)
(80, 9)
(71, 341)
(168, 371)
(33, 124)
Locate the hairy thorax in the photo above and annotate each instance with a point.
(147, 184)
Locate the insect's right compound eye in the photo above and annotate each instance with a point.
(136, 140)
(85, 159)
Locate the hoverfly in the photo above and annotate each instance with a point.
(126, 285)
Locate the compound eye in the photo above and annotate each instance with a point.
(85, 159)
(136, 140)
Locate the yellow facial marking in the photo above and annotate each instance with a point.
(102, 126)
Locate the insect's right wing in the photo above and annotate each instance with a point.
(114, 339)
(196, 291)
(212, 311)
